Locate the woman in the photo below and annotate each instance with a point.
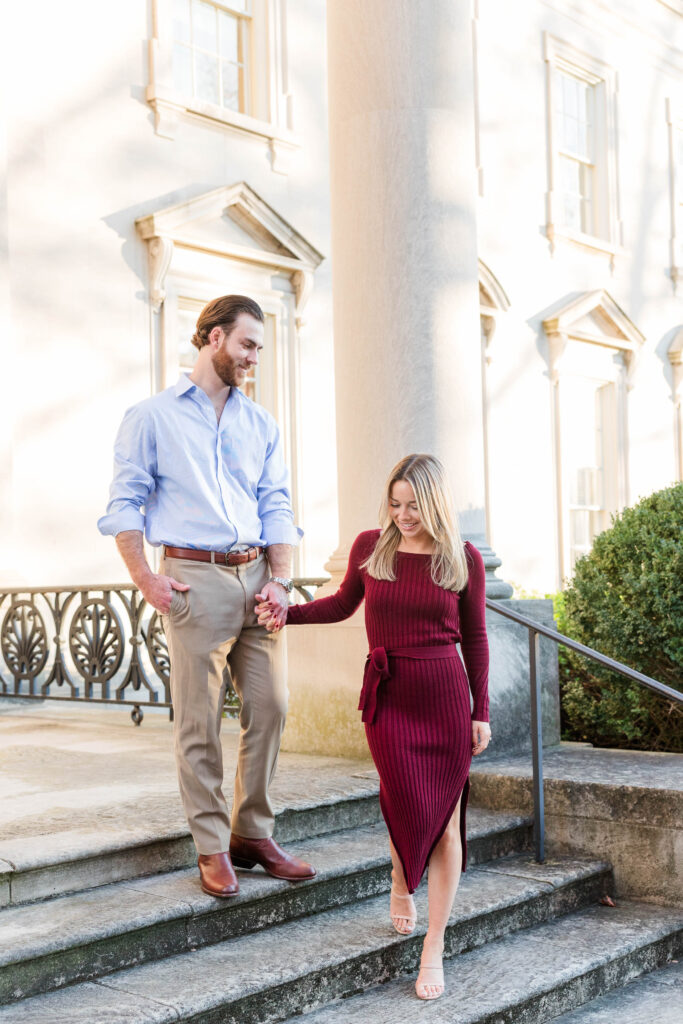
(424, 592)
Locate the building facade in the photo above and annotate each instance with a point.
(175, 150)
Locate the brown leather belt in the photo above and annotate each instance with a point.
(218, 557)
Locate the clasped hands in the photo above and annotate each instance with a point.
(271, 607)
(271, 611)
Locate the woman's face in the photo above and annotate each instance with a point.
(403, 510)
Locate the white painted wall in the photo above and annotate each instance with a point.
(642, 41)
(83, 162)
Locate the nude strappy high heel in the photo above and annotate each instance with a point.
(421, 985)
(402, 909)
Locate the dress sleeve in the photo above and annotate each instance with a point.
(349, 596)
(474, 643)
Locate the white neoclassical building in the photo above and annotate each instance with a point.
(464, 221)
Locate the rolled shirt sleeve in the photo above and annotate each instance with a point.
(274, 497)
(134, 475)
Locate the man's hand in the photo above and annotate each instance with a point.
(157, 591)
(271, 607)
(481, 736)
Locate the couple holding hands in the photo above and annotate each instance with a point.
(199, 470)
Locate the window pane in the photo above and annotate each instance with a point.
(574, 105)
(182, 69)
(187, 353)
(570, 175)
(576, 186)
(570, 135)
(231, 87)
(204, 26)
(571, 207)
(229, 27)
(206, 77)
(570, 96)
(181, 21)
(580, 530)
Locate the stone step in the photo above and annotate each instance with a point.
(534, 975)
(71, 861)
(611, 801)
(88, 934)
(281, 970)
(655, 998)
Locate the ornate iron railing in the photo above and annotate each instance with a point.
(92, 644)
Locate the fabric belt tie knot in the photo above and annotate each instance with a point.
(377, 671)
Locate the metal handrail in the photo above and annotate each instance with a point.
(536, 630)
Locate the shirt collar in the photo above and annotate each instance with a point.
(184, 385)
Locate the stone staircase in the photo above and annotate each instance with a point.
(123, 934)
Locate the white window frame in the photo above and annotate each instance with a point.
(674, 119)
(276, 267)
(245, 29)
(271, 112)
(561, 56)
(564, 334)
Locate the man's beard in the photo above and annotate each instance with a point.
(227, 369)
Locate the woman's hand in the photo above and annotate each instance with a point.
(269, 615)
(481, 736)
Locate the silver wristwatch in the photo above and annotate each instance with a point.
(287, 584)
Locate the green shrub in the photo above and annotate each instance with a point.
(626, 600)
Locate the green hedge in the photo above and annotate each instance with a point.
(626, 600)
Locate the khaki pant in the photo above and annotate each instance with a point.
(214, 638)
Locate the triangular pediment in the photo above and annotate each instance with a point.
(234, 221)
(595, 317)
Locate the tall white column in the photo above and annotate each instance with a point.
(406, 304)
(404, 251)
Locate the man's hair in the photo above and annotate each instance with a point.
(223, 312)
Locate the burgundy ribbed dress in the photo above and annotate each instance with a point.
(420, 735)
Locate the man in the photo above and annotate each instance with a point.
(199, 469)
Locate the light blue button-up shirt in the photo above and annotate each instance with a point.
(187, 480)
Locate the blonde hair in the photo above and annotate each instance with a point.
(426, 476)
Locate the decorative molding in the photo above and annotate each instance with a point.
(159, 254)
(302, 281)
(491, 292)
(675, 356)
(282, 154)
(492, 300)
(278, 243)
(674, 5)
(619, 333)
